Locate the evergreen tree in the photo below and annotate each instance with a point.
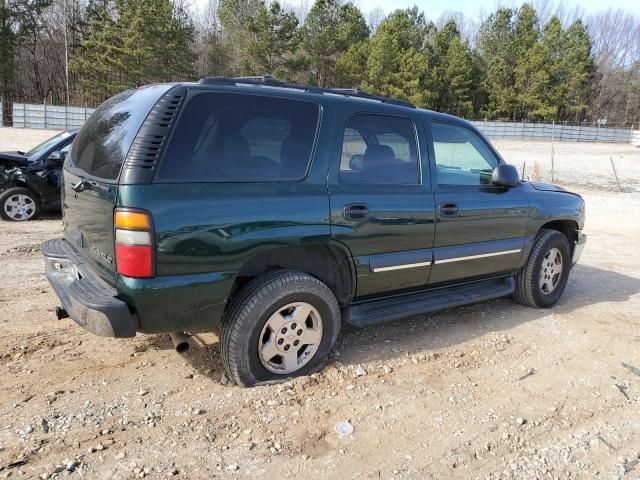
(351, 66)
(497, 49)
(576, 71)
(330, 28)
(144, 41)
(552, 40)
(458, 75)
(235, 17)
(275, 41)
(534, 84)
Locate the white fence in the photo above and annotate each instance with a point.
(556, 132)
(27, 115)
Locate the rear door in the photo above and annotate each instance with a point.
(381, 206)
(91, 174)
(480, 227)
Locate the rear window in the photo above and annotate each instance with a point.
(241, 138)
(103, 142)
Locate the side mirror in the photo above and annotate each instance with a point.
(505, 175)
(56, 158)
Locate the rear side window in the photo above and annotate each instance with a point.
(241, 138)
(379, 149)
(104, 140)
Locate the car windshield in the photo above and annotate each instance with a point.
(47, 144)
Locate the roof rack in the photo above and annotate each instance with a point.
(268, 80)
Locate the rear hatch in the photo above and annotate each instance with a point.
(92, 172)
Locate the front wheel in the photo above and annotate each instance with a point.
(19, 204)
(282, 324)
(542, 280)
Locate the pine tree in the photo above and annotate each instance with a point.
(552, 40)
(576, 71)
(143, 41)
(235, 16)
(351, 66)
(458, 75)
(397, 65)
(534, 84)
(497, 49)
(275, 41)
(330, 28)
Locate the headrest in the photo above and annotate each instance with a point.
(379, 154)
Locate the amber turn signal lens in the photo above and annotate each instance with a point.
(124, 219)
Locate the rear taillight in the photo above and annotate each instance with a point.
(134, 243)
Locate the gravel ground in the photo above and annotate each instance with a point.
(493, 390)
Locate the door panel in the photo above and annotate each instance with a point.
(396, 232)
(480, 228)
(379, 207)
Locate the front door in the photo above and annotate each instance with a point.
(480, 227)
(379, 207)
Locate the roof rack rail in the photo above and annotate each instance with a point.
(270, 81)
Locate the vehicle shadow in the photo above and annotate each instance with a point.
(420, 334)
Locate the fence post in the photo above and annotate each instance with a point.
(615, 174)
(553, 152)
(45, 114)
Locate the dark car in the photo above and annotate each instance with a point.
(30, 181)
(274, 212)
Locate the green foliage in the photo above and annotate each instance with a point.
(517, 69)
(330, 28)
(396, 65)
(140, 42)
(497, 49)
(275, 40)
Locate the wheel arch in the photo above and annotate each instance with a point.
(569, 228)
(329, 263)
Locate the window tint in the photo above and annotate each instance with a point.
(103, 142)
(241, 138)
(379, 149)
(462, 157)
(352, 144)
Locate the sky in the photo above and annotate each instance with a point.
(434, 8)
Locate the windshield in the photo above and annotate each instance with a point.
(47, 144)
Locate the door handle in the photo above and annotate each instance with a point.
(355, 211)
(448, 209)
(81, 186)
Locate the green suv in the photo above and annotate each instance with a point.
(274, 212)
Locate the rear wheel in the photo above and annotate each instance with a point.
(543, 278)
(19, 204)
(282, 324)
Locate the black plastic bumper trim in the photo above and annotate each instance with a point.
(89, 301)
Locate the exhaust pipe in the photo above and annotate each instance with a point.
(180, 341)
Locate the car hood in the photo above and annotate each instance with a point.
(548, 187)
(13, 159)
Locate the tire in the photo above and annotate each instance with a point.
(537, 287)
(271, 301)
(19, 198)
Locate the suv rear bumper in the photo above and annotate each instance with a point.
(89, 301)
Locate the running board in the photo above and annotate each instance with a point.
(402, 306)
